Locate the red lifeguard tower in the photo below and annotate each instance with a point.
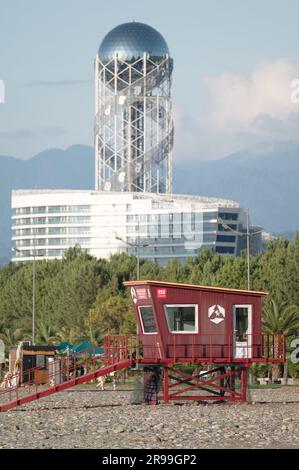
(184, 323)
(217, 329)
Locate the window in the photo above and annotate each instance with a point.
(241, 319)
(182, 318)
(226, 238)
(147, 319)
(209, 237)
(40, 360)
(242, 331)
(39, 210)
(210, 215)
(228, 215)
(225, 249)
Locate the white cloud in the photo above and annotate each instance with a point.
(236, 101)
(244, 111)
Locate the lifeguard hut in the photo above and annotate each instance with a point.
(184, 323)
(218, 331)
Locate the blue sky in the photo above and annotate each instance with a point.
(233, 60)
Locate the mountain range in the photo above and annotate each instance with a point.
(266, 180)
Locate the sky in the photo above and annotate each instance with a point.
(234, 62)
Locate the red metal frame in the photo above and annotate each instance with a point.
(217, 383)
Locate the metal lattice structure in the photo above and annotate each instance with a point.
(133, 123)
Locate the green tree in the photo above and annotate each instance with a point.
(273, 268)
(75, 289)
(71, 335)
(174, 271)
(233, 273)
(122, 267)
(11, 337)
(112, 316)
(45, 332)
(280, 318)
(203, 267)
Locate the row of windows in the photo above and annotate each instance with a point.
(51, 209)
(53, 220)
(184, 319)
(178, 217)
(161, 241)
(171, 230)
(182, 216)
(52, 231)
(205, 237)
(53, 241)
(228, 215)
(180, 318)
(27, 254)
(225, 250)
(226, 238)
(43, 252)
(163, 250)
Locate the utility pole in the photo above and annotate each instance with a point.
(33, 293)
(248, 250)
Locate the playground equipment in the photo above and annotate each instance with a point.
(217, 330)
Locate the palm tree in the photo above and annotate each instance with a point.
(45, 332)
(281, 319)
(11, 337)
(70, 335)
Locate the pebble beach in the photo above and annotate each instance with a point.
(91, 418)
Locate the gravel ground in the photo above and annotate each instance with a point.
(89, 418)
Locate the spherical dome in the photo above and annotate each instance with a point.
(131, 40)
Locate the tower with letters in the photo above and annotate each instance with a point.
(133, 117)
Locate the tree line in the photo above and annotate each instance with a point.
(81, 297)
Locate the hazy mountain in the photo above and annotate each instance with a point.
(51, 169)
(266, 181)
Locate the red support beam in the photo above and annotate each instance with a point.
(244, 383)
(214, 390)
(166, 386)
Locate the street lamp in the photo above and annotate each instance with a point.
(33, 288)
(137, 247)
(246, 234)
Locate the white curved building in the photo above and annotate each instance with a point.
(47, 222)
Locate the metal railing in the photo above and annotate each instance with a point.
(63, 369)
(246, 348)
